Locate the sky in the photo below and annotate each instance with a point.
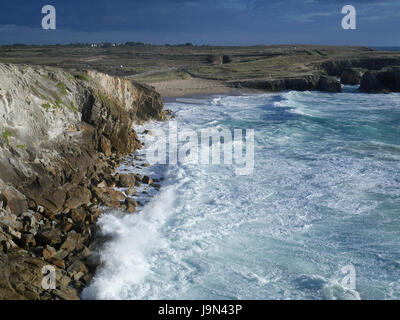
(213, 22)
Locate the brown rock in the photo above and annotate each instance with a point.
(102, 184)
(78, 215)
(15, 200)
(126, 180)
(77, 270)
(105, 146)
(49, 252)
(131, 192)
(73, 242)
(78, 197)
(50, 237)
(130, 205)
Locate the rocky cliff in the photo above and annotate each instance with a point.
(61, 137)
(307, 82)
(384, 81)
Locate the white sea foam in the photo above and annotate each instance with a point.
(324, 193)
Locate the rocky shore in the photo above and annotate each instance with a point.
(62, 137)
(381, 76)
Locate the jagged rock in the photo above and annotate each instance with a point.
(304, 83)
(78, 215)
(63, 146)
(108, 196)
(21, 277)
(14, 199)
(105, 146)
(77, 270)
(52, 237)
(73, 242)
(78, 197)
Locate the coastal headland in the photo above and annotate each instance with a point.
(189, 70)
(67, 115)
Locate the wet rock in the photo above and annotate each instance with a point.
(126, 181)
(329, 84)
(77, 270)
(131, 205)
(131, 192)
(147, 180)
(109, 197)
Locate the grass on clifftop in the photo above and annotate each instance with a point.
(148, 63)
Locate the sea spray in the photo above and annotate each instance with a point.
(125, 257)
(324, 197)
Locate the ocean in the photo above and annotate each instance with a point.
(317, 218)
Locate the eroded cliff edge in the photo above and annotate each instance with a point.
(61, 137)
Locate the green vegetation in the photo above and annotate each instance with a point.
(63, 88)
(82, 76)
(153, 63)
(46, 106)
(103, 98)
(21, 146)
(6, 136)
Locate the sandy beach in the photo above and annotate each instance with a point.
(189, 87)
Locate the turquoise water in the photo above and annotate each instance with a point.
(324, 194)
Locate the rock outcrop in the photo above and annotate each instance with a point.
(384, 81)
(351, 76)
(305, 83)
(61, 138)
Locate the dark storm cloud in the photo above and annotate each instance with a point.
(200, 21)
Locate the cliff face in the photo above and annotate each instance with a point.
(305, 83)
(336, 67)
(383, 81)
(58, 133)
